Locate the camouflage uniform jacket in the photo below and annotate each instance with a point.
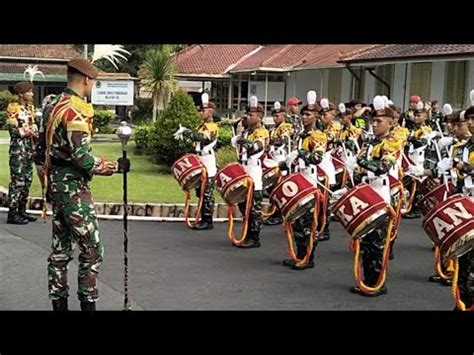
(68, 136)
(379, 155)
(20, 120)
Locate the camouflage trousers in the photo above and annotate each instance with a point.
(74, 223)
(255, 218)
(207, 208)
(466, 278)
(302, 233)
(371, 251)
(21, 176)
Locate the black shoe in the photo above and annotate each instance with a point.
(324, 236)
(435, 278)
(308, 265)
(355, 289)
(249, 244)
(412, 215)
(203, 225)
(29, 218)
(448, 282)
(391, 256)
(60, 305)
(16, 219)
(88, 306)
(273, 221)
(382, 291)
(288, 262)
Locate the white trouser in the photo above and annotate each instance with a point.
(253, 167)
(209, 161)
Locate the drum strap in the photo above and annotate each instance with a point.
(197, 217)
(455, 289)
(290, 235)
(439, 269)
(383, 272)
(230, 210)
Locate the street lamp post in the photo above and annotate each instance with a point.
(124, 132)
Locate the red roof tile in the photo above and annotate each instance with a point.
(407, 51)
(211, 59)
(276, 56)
(46, 69)
(328, 55)
(56, 51)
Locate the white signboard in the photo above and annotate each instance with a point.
(275, 90)
(113, 92)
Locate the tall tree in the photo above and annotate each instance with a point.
(157, 73)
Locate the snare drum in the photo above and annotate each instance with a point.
(361, 210)
(187, 170)
(232, 182)
(450, 225)
(294, 196)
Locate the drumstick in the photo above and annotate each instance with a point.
(438, 153)
(347, 155)
(236, 149)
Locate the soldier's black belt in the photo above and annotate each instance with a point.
(61, 163)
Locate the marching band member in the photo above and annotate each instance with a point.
(252, 144)
(374, 162)
(311, 146)
(205, 139)
(278, 148)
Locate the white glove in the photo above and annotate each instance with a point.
(351, 163)
(444, 165)
(338, 193)
(445, 142)
(234, 140)
(291, 158)
(178, 135)
(416, 170)
(434, 134)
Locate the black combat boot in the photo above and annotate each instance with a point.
(252, 240)
(414, 213)
(325, 235)
(88, 306)
(22, 213)
(301, 255)
(204, 223)
(16, 218)
(274, 219)
(391, 255)
(435, 278)
(60, 305)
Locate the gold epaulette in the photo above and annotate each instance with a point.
(392, 145)
(319, 136)
(211, 126)
(81, 106)
(470, 158)
(13, 107)
(259, 133)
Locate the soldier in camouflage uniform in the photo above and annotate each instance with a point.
(373, 165)
(292, 117)
(205, 139)
(417, 139)
(252, 144)
(70, 168)
(332, 130)
(311, 146)
(23, 133)
(278, 148)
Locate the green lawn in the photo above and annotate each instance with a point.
(147, 182)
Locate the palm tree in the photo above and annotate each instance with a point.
(157, 74)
